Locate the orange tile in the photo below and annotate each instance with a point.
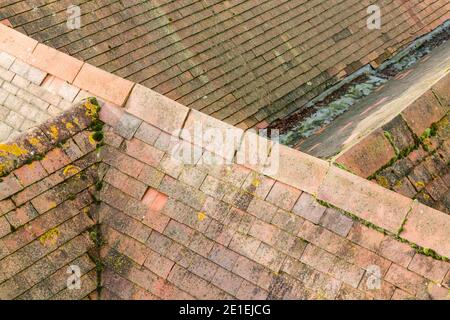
(16, 43)
(364, 198)
(55, 62)
(428, 228)
(6, 22)
(156, 109)
(103, 84)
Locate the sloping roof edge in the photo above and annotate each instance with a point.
(366, 200)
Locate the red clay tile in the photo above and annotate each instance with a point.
(283, 196)
(5, 227)
(428, 228)
(30, 173)
(308, 208)
(16, 43)
(159, 264)
(366, 237)
(55, 62)
(437, 292)
(244, 245)
(6, 206)
(369, 155)
(269, 257)
(143, 152)
(21, 215)
(299, 170)
(179, 232)
(55, 160)
(6, 22)
(8, 186)
(153, 218)
(396, 251)
(111, 114)
(156, 109)
(103, 84)
(383, 290)
(227, 281)
(428, 267)
(125, 183)
(264, 232)
(401, 295)
(404, 279)
(365, 199)
(423, 112)
(223, 256)
(249, 291)
(336, 222)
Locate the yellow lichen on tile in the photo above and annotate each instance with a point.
(54, 132)
(201, 216)
(71, 170)
(50, 237)
(12, 149)
(91, 109)
(92, 140)
(34, 141)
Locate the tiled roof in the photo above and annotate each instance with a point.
(399, 135)
(28, 96)
(112, 200)
(236, 60)
(45, 209)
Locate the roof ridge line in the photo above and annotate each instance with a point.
(331, 184)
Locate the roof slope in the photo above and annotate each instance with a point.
(28, 96)
(46, 209)
(238, 61)
(398, 135)
(167, 229)
(177, 231)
